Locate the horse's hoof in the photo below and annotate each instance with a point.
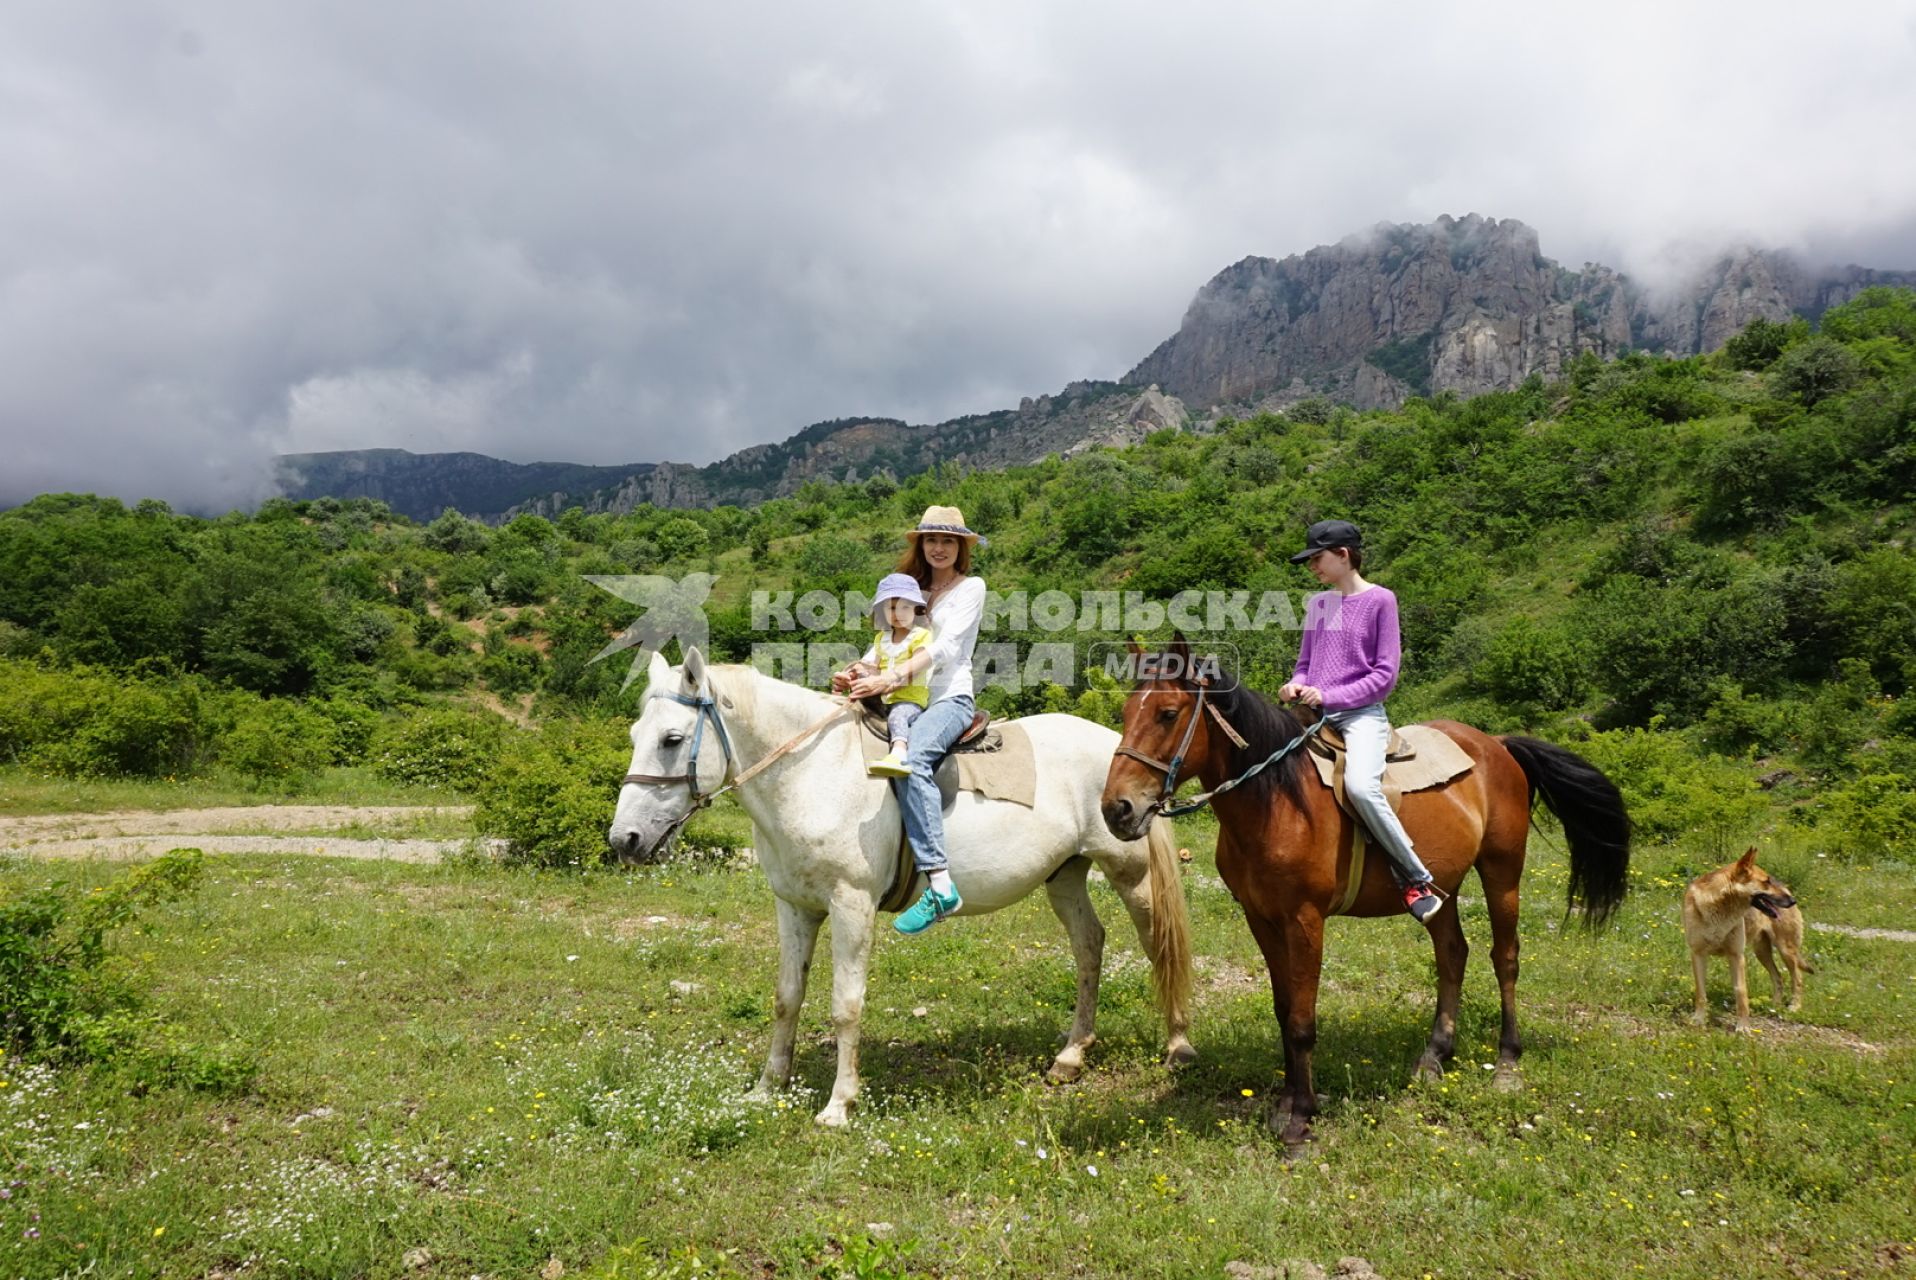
(1699, 1019)
(1180, 1054)
(1429, 1070)
(835, 1116)
(1506, 1078)
(1063, 1072)
(761, 1093)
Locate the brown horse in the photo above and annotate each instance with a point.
(1284, 846)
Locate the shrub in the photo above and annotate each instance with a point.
(278, 745)
(1671, 791)
(353, 725)
(82, 722)
(444, 747)
(550, 797)
(1871, 816)
(1530, 663)
(71, 999)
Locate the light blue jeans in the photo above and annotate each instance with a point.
(942, 724)
(1366, 733)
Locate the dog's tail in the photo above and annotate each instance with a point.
(1594, 822)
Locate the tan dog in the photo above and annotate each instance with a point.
(1716, 911)
(1779, 930)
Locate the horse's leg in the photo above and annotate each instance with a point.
(1499, 874)
(1270, 941)
(852, 915)
(1304, 954)
(797, 937)
(1072, 903)
(1447, 937)
(1134, 890)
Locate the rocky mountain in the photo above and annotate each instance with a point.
(1460, 304)
(1465, 305)
(421, 485)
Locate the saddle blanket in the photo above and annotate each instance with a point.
(1419, 757)
(999, 767)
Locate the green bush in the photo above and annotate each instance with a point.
(550, 797)
(85, 723)
(444, 747)
(1672, 791)
(71, 998)
(1870, 816)
(278, 745)
(1530, 663)
(353, 725)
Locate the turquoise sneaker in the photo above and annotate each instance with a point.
(927, 911)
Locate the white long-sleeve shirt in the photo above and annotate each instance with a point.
(954, 628)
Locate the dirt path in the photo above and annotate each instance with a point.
(146, 833)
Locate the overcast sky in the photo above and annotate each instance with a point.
(609, 231)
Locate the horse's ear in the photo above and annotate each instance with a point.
(659, 673)
(1136, 649)
(694, 669)
(1179, 645)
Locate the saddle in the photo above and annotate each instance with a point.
(1417, 757)
(994, 760)
(978, 736)
(1327, 752)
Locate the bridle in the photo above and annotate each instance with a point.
(708, 709)
(1169, 768)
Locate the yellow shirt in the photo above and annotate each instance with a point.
(889, 657)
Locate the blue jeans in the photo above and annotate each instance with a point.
(942, 724)
(1366, 733)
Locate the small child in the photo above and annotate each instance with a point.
(897, 613)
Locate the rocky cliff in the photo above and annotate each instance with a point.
(1465, 305)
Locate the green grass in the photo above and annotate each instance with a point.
(23, 791)
(495, 1067)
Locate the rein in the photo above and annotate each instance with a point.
(1162, 805)
(708, 709)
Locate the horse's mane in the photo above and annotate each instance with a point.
(1265, 726)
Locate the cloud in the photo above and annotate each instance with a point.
(611, 232)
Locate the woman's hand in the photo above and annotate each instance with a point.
(873, 686)
(1304, 693)
(1289, 692)
(841, 680)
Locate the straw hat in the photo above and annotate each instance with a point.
(946, 520)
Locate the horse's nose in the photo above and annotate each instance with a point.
(623, 844)
(1117, 814)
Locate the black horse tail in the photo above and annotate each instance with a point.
(1594, 821)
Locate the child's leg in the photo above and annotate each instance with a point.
(1366, 738)
(899, 720)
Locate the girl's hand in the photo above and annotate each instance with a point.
(1289, 692)
(1309, 696)
(841, 680)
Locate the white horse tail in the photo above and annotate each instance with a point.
(1170, 929)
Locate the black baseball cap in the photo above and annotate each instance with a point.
(1326, 534)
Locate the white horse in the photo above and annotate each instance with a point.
(827, 836)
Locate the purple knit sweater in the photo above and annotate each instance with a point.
(1350, 650)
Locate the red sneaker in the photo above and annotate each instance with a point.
(1422, 901)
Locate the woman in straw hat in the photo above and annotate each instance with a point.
(940, 560)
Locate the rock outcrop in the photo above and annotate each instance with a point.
(1461, 304)
(1465, 305)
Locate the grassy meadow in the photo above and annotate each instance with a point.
(472, 1071)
